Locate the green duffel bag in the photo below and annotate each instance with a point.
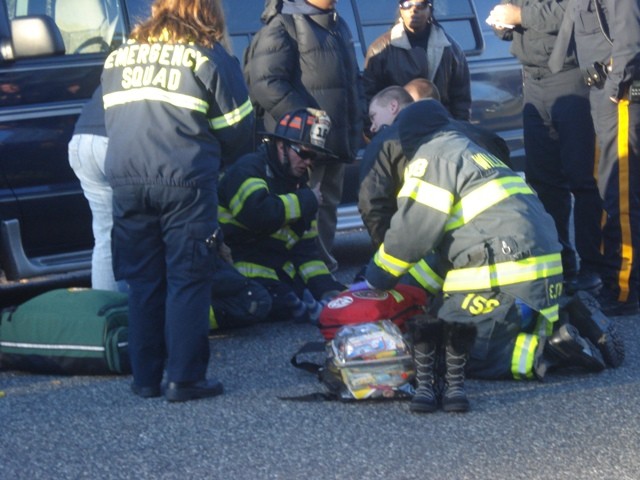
(76, 331)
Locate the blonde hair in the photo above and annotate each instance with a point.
(389, 94)
(178, 21)
(420, 88)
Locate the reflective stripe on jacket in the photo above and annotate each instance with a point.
(478, 217)
(191, 111)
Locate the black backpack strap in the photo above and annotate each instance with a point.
(309, 347)
(316, 369)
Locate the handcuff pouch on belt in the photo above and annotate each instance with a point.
(595, 75)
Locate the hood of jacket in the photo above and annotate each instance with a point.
(419, 120)
(301, 7)
(271, 9)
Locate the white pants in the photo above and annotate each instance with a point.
(87, 156)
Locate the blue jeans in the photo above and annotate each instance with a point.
(86, 156)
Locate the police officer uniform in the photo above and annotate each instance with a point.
(174, 113)
(607, 41)
(559, 139)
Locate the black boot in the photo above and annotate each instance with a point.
(585, 314)
(426, 333)
(566, 348)
(458, 342)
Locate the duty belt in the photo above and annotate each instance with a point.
(595, 75)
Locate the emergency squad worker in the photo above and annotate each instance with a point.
(559, 138)
(607, 42)
(176, 108)
(268, 216)
(495, 249)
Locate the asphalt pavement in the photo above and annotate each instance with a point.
(572, 426)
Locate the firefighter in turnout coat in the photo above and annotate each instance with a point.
(491, 249)
(268, 216)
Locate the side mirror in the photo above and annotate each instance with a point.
(36, 36)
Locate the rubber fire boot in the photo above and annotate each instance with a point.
(459, 339)
(566, 348)
(585, 314)
(426, 336)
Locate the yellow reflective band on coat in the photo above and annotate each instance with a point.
(248, 187)
(286, 236)
(291, 206)
(547, 317)
(427, 194)
(233, 117)
(312, 232)
(486, 161)
(253, 270)
(523, 356)
(225, 217)
(484, 197)
(314, 268)
(213, 323)
(289, 269)
(389, 263)
(426, 277)
(155, 95)
(504, 273)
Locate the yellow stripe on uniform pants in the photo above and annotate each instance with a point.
(626, 249)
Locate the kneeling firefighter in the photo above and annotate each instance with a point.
(268, 215)
(583, 338)
(469, 226)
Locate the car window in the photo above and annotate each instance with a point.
(86, 26)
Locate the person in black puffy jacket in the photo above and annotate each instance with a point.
(304, 57)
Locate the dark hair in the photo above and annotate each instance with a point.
(179, 21)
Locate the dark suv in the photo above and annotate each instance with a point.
(51, 56)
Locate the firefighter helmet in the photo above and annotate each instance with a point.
(308, 127)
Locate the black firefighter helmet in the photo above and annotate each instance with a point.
(308, 127)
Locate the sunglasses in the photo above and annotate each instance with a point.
(303, 154)
(418, 5)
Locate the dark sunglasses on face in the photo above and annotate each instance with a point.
(418, 5)
(303, 154)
